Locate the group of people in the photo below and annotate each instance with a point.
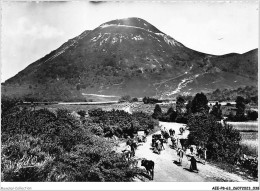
(131, 146)
(194, 154)
(157, 143)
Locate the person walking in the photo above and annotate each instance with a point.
(133, 147)
(161, 141)
(193, 161)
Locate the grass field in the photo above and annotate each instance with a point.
(135, 107)
(245, 126)
(249, 134)
(250, 147)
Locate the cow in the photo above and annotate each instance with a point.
(180, 154)
(149, 166)
(171, 131)
(184, 143)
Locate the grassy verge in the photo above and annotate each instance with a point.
(240, 171)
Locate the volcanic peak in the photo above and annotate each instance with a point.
(132, 22)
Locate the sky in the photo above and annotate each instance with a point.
(30, 30)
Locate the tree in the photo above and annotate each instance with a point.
(181, 110)
(157, 113)
(145, 100)
(188, 108)
(240, 105)
(216, 111)
(171, 114)
(199, 104)
(180, 105)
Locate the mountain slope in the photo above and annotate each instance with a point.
(128, 56)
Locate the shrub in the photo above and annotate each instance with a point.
(134, 99)
(44, 146)
(252, 115)
(125, 98)
(82, 113)
(222, 142)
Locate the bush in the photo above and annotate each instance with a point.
(82, 113)
(44, 146)
(134, 99)
(125, 98)
(252, 115)
(222, 142)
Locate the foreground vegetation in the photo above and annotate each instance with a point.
(40, 145)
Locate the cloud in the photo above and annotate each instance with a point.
(33, 30)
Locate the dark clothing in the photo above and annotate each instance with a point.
(193, 164)
(161, 140)
(133, 147)
(171, 132)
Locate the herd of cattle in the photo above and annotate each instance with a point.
(193, 153)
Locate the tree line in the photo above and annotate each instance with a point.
(200, 104)
(249, 93)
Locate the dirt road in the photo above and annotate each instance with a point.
(166, 170)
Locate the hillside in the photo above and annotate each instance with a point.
(129, 56)
(250, 93)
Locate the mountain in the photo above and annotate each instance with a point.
(129, 56)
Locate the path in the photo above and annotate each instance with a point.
(167, 171)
